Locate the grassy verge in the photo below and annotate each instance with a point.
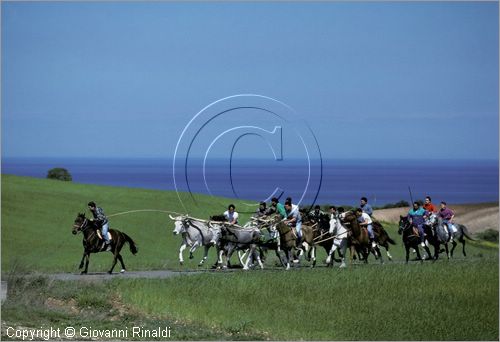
(39, 303)
(440, 301)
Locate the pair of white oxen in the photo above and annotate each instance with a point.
(204, 233)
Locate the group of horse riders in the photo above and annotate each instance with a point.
(420, 214)
(291, 216)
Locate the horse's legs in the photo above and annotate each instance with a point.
(407, 247)
(389, 256)
(229, 253)
(87, 257)
(419, 257)
(181, 249)
(280, 258)
(81, 262)
(220, 253)
(192, 249)
(463, 246)
(251, 252)
(379, 253)
(343, 247)
(428, 251)
(288, 254)
(447, 251)
(454, 244)
(261, 265)
(115, 259)
(305, 247)
(120, 259)
(313, 255)
(330, 253)
(242, 256)
(205, 255)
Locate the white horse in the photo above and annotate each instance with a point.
(195, 233)
(339, 233)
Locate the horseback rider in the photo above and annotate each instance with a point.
(293, 219)
(102, 222)
(231, 215)
(417, 216)
(364, 219)
(333, 215)
(261, 211)
(365, 207)
(277, 207)
(428, 206)
(447, 215)
(294, 206)
(315, 215)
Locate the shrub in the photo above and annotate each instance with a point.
(489, 235)
(59, 173)
(400, 204)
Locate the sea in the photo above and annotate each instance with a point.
(329, 181)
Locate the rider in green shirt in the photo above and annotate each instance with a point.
(280, 209)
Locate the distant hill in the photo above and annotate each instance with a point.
(476, 217)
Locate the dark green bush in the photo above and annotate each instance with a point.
(59, 173)
(400, 204)
(488, 235)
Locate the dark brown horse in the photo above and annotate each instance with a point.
(359, 241)
(410, 238)
(382, 238)
(93, 244)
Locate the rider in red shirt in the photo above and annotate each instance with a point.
(428, 206)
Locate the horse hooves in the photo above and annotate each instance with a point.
(191, 256)
(83, 272)
(110, 272)
(122, 270)
(80, 267)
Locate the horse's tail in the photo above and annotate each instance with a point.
(131, 243)
(391, 241)
(466, 233)
(388, 238)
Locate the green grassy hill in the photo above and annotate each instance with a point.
(38, 214)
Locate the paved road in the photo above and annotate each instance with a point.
(105, 276)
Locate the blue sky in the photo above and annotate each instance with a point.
(372, 80)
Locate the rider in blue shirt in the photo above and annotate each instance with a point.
(365, 206)
(417, 216)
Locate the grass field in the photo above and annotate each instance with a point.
(455, 301)
(445, 300)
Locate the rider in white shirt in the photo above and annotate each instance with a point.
(365, 220)
(231, 215)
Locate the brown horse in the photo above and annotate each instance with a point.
(315, 234)
(93, 244)
(288, 242)
(359, 241)
(382, 238)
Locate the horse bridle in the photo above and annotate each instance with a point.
(83, 226)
